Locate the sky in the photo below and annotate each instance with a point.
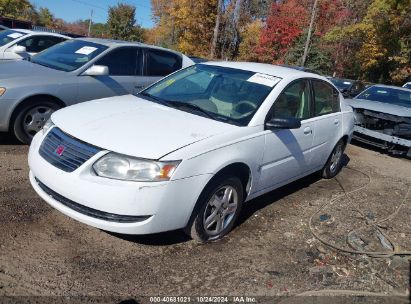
(73, 10)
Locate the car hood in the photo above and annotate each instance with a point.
(136, 127)
(23, 68)
(379, 107)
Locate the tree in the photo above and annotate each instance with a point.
(284, 25)
(18, 9)
(45, 17)
(194, 22)
(121, 23)
(250, 39)
(216, 28)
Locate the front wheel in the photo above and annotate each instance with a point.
(219, 206)
(31, 118)
(334, 162)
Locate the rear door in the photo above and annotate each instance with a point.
(287, 153)
(328, 119)
(157, 64)
(125, 70)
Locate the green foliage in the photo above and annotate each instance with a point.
(18, 9)
(45, 17)
(121, 23)
(318, 59)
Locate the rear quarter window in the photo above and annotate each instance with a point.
(161, 63)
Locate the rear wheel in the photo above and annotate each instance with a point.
(219, 206)
(334, 162)
(31, 118)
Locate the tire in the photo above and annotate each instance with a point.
(31, 117)
(211, 201)
(334, 162)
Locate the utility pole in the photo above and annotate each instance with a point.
(90, 22)
(310, 30)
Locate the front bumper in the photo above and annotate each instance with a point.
(380, 140)
(155, 206)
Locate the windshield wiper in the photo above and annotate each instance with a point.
(179, 105)
(152, 97)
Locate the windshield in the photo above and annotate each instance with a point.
(407, 85)
(387, 95)
(69, 56)
(9, 36)
(224, 94)
(341, 84)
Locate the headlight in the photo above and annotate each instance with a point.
(2, 91)
(117, 166)
(48, 125)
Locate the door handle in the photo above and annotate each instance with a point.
(308, 130)
(336, 122)
(138, 87)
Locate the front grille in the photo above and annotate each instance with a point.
(111, 217)
(64, 151)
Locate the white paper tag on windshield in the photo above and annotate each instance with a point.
(14, 35)
(86, 50)
(264, 79)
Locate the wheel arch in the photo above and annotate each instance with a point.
(33, 98)
(239, 169)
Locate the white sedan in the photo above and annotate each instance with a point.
(188, 151)
(21, 43)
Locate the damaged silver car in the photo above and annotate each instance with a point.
(383, 118)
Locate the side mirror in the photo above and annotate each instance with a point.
(283, 123)
(18, 49)
(96, 70)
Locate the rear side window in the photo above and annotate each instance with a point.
(161, 63)
(125, 61)
(326, 98)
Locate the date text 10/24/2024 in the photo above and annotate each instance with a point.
(205, 299)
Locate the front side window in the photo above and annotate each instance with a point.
(326, 98)
(294, 101)
(69, 55)
(123, 61)
(225, 94)
(161, 63)
(8, 36)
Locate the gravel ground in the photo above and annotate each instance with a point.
(270, 253)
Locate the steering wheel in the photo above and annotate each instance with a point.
(244, 108)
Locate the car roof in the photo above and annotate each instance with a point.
(21, 30)
(39, 32)
(265, 68)
(115, 43)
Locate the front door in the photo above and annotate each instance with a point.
(125, 68)
(287, 153)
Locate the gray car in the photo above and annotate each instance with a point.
(383, 118)
(75, 71)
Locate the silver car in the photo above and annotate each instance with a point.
(75, 71)
(383, 118)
